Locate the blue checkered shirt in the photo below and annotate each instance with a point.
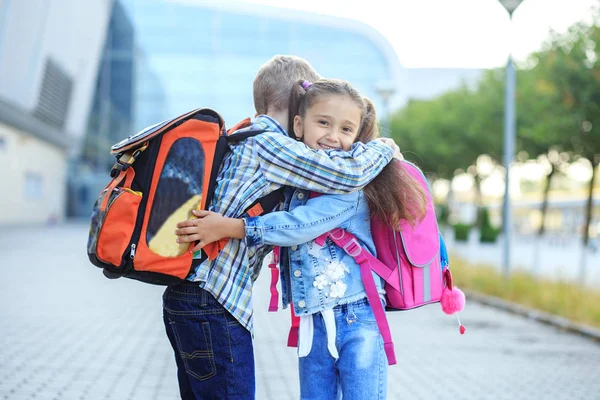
(258, 166)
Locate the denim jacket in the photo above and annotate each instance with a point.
(318, 278)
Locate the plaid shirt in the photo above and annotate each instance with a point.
(258, 166)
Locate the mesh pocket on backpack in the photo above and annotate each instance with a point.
(179, 191)
(111, 229)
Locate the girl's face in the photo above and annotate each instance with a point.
(332, 122)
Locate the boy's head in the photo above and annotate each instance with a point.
(274, 81)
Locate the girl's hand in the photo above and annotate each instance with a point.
(209, 227)
(392, 145)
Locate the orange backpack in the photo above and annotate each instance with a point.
(162, 173)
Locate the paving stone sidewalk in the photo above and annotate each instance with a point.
(69, 333)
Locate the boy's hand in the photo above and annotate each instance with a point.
(391, 144)
(209, 227)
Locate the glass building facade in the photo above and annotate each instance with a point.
(180, 56)
(112, 107)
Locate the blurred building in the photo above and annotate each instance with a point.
(188, 54)
(110, 117)
(207, 53)
(125, 64)
(111, 114)
(49, 57)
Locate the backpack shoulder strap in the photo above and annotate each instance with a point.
(273, 303)
(234, 136)
(264, 204)
(348, 242)
(242, 124)
(368, 263)
(239, 136)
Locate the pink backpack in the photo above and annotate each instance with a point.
(413, 262)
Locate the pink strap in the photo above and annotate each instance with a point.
(346, 240)
(293, 335)
(367, 262)
(321, 239)
(274, 302)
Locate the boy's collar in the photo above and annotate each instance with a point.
(271, 121)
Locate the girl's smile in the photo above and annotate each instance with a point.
(332, 122)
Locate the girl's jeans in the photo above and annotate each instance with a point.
(360, 372)
(213, 351)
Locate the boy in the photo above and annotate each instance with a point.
(209, 318)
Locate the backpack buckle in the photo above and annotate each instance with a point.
(352, 248)
(124, 160)
(118, 167)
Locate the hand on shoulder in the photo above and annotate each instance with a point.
(392, 145)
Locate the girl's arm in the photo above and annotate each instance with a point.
(281, 228)
(303, 223)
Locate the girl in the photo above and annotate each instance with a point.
(340, 347)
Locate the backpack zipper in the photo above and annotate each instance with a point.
(135, 237)
(132, 251)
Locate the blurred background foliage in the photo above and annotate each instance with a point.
(558, 119)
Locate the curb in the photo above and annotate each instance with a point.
(535, 315)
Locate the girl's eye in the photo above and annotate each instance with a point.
(322, 122)
(347, 130)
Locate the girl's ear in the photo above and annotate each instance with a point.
(298, 127)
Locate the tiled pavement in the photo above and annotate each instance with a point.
(69, 333)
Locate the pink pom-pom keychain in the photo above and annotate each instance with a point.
(453, 299)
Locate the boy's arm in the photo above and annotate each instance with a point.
(288, 162)
(279, 228)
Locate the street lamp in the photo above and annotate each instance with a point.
(386, 91)
(509, 141)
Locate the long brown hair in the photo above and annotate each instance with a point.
(393, 195)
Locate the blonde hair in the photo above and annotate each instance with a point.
(275, 79)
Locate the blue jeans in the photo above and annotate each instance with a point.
(360, 372)
(213, 352)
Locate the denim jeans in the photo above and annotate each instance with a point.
(213, 352)
(360, 372)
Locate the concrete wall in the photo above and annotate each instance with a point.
(33, 179)
(71, 32)
(34, 161)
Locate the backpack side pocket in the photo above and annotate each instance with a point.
(112, 228)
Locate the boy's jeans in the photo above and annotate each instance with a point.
(360, 372)
(213, 351)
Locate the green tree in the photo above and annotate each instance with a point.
(450, 132)
(541, 125)
(427, 134)
(570, 65)
(558, 113)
